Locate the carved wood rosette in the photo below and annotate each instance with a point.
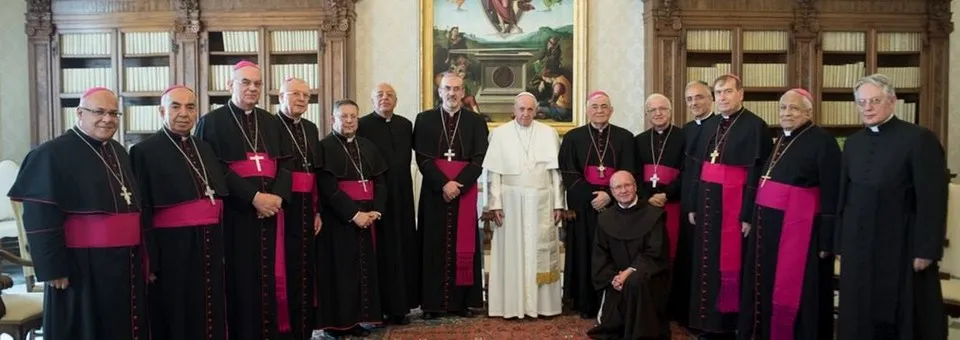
(664, 43)
(40, 51)
(937, 46)
(186, 43)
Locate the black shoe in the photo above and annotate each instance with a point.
(398, 320)
(586, 316)
(431, 315)
(466, 313)
(359, 331)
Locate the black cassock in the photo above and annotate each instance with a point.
(67, 190)
(301, 139)
(580, 153)
(893, 192)
(398, 254)
(633, 237)
(349, 285)
(661, 154)
(733, 150)
(188, 298)
(446, 250)
(794, 222)
(680, 286)
(250, 243)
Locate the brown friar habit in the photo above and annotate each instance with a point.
(399, 253)
(187, 232)
(582, 151)
(352, 180)
(633, 237)
(893, 192)
(80, 227)
(733, 150)
(301, 138)
(451, 262)
(787, 288)
(254, 262)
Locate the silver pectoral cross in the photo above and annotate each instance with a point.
(449, 154)
(209, 193)
(363, 183)
(654, 179)
(256, 158)
(601, 169)
(125, 193)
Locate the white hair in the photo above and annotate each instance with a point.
(877, 79)
(807, 104)
(646, 103)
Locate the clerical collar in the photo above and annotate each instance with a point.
(89, 137)
(700, 120)
(636, 199)
(789, 133)
(605, 126)
(287, 117)
(230, 102)
(661, 131)
(182, 137)
(733, 115)
(344, 138)
(876, 128)
(451, 114)
(387, 119)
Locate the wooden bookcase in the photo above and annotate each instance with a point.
(821, 45)
(138, 48)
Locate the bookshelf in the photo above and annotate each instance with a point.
(821, 45)
(139, 47)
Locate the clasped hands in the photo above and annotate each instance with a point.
(620, 278)
(658, 200)
(451, 190)
(600, 200)
(498, 216)
(267, 204)
(363, 220)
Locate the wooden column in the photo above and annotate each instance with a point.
(335, 81)
(186, 43)
(806, 30)
(662, 30)
(937, 72)
(40, 51)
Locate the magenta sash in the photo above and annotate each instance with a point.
(194, 213)
(356, 192)
(102, 230)
(466, 222)
(592, 174)
(306, 182)
(665, 176)
(732, 179)
(248, 167)
(799, 206)
(268, 168)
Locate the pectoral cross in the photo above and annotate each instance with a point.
(209, 193)
(257, 158)
(601, 169)
(654, 179)
(306, 166)
(363, 183)
(449, 154)
(714, 155)
(764, 178)
(125, 193)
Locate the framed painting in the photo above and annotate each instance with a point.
(504, 47)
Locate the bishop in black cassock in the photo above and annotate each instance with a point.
(182, 184)
(733, 148)
(631, 266)
(788, 271)
(700, 103)
(81, 212)
(353, 194)
(450, 143)
(246, 140)
(893, 192)
(301, 215)
(398, 255)
(588, 156)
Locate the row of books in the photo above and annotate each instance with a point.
(142, 118)
(844, 41)
(85, 44)
(899, 42)
(708, 40)
(293, 41)
(769, 111)
(766, 41)
(307, 72)
(150, 78)
(764, 75)
(845, 75)
(707, 74)
(847, 113)
(146, 43)
(908, 77)
(78, 80)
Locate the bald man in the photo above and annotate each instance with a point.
(527, 200)
(302, 215)
(81, 211)
(398, 256)
(182, 186)
(788, 270)
(247, 140)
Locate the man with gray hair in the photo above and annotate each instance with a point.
(526, 198)
(893, 192)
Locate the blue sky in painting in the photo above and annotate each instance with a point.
(473, 21)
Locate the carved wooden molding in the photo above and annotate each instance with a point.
(341, 15)
(939, 24)
(188, 25)
(805, 22)
(665, 15)
(39, 24)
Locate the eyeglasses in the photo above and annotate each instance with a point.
(298, 94)
(873, 101)
(101, 113)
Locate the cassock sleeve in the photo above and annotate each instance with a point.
(829, 159)
(43, 224)
(423, 140)
(655, 254)
(472, 171)
(930, 185)
(690, 188)
(674, 190)
(283, 183)
(380, 184)
(343, 206)
(579, 192)
(142, 171)
(241, 191)
(602, 262)
(764, 144)
(841, 201)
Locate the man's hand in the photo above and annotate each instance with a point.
(451, 190)
(658, 200)
(498, 217)
(267, 204)
(745, 228)
(317, 225)
(824, 254)
(620, 278)
(921, 264)
(557, 216)
(152, 278)
(61, 283)
(692, 217)
(600, 201)
(363, 220)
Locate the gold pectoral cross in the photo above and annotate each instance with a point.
(601, 169)
(764, 178)
(714, 155)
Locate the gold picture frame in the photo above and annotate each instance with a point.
(495, 51)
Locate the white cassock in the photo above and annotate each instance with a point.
(525, 252)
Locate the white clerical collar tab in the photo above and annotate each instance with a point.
(874, 128)
(787, 133)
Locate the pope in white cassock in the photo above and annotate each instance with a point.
(526, 198)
